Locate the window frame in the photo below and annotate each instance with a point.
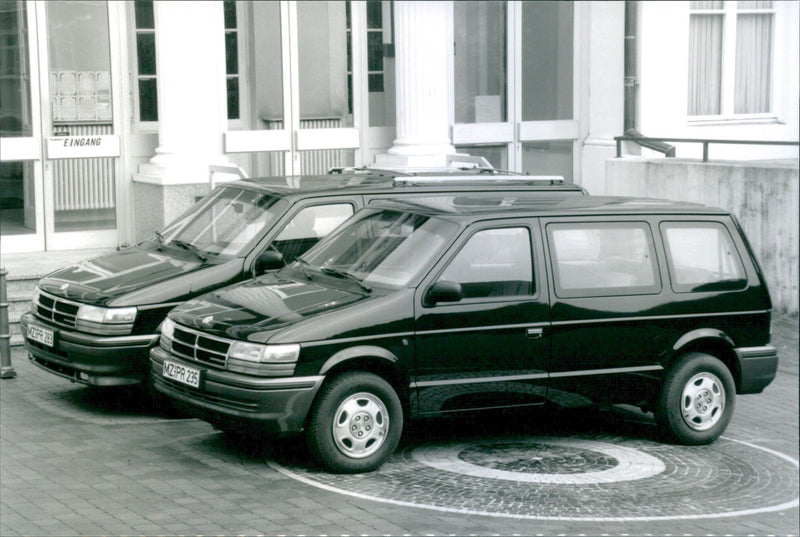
(140, 126)
(593, 292)
(459, 244)
(730, 13)
(676, 287)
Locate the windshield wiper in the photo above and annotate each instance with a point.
(303, 266)
(188, 246)
(346, 276)
(160, 238)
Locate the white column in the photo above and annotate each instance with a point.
(192, 112)
(421, 49)
(192, 94)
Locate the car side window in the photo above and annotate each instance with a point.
(308, 226)
(701, 257)
(493, 263)
(603, 259)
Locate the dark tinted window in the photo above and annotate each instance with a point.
(603, 259)
(493, 263)
(702, 257)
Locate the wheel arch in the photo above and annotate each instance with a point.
(709, 341)
(369, 359)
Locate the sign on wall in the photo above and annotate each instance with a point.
(91, 145)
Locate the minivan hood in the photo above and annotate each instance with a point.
(101, 279)
(262, 306)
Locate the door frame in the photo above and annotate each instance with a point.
(111, 145)
(28, 149)
(292, 139)
(514, 132)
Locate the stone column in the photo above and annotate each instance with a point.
(421, 49)
(192, 111)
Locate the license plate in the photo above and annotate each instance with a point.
(182, 374)
(42, 335)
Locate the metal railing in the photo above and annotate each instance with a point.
(652, 143)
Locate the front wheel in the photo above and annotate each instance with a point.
(697, 399)
(355, 424)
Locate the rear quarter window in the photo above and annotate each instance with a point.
(702, 257)
(603, 259)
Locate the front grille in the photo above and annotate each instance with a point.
(200, 347)
(57, 310)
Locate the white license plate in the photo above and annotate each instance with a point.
(182, 374)
(42, 335)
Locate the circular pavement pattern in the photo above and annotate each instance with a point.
(600, 478)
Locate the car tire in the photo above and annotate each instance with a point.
(697, 400)
(355, 424)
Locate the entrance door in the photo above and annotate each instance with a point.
(58, 121)
(21, 185)
(79, 115)
(297, 111)
(514, 91)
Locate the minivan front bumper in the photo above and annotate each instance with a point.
(88, 359)
(758, 366)
(233, 401)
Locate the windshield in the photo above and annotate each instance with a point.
(383, 248)
(222, 223)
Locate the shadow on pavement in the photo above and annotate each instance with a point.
(119, 401)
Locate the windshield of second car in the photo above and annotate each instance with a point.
(384, 248)
(223, 223)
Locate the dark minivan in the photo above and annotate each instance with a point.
(95, 322)
(429, 307)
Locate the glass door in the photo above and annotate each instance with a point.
(81, 148)
(514, 93)
(21, 187)
(296, 78)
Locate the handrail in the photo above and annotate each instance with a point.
(704, 141)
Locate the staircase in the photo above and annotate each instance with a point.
(24, 272)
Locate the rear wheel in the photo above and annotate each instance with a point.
(355, 424)
(697, 399)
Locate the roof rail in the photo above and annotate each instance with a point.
(522, 179)
(339, 170)
(463, 161)
(225, 169)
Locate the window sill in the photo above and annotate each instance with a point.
(732, 121)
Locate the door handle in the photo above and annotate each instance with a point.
(534, 333)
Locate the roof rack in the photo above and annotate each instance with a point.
(521, 179)
(339, 170)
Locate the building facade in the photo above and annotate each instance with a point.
(112, 112)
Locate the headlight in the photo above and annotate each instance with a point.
(94, 314)
(273, 354)
(167, 330)
(35, 299)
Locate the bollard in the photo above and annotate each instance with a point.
(6, 370)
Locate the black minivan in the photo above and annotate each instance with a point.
(95, 322)
(433, 306)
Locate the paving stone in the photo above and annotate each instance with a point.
(73, 462)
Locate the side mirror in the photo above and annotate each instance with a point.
(444, 291)
(269, 259)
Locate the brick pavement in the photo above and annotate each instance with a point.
(75, 461)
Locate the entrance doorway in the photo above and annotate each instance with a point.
(301, 106)
(60, 146)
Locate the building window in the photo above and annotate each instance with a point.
(146, 60)
(374, 49)
(232, 59)
(730, 57)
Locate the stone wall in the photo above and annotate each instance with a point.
(762, 194)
